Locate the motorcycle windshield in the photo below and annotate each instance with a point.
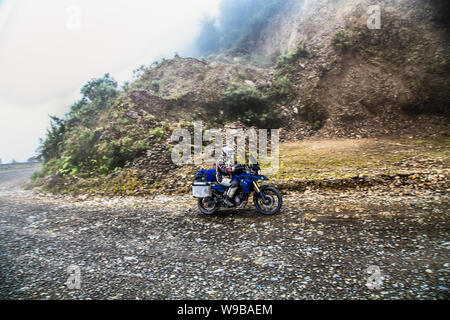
(253, 160)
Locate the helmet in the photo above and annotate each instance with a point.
(228, 152)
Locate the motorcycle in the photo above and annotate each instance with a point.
(211, 194)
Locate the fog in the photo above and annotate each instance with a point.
(50, 48)
(238, 25)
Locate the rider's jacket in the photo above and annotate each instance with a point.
(224, 168)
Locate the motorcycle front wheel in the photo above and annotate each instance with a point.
(207, 206)
(273, 201)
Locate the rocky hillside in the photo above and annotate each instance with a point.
(119, 140)
(365, 82)
(325, 74)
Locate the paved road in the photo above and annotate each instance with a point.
(319, 247)
(14, 178)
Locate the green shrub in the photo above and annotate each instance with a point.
(100, 92)
(237, 100)
(341, 40)
(38, 174)
(97, 94)
(293, 56)
(270, 119)
(77, 145)
(155, 85)
(281, 90)
(158, 133)
(119, 153)
(317, 125)
(249, 106)
(139, 71)
(52, 145)
(313, 113)
(126, 86)
(139, 84)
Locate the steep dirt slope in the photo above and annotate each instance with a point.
(367, 82)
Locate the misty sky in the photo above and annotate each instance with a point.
(47, 54)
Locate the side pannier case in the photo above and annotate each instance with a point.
(201, 189)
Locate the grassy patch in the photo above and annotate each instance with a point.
(347, 158)
(341, 40)
(293, 56)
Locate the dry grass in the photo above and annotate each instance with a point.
(346, 157)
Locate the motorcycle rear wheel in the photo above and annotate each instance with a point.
(207, 206)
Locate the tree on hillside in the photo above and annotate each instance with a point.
(100, 91)
(51, 146)
(137, 73)
(97, 94)
(69, 140)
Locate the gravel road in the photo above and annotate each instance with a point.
(319, 247)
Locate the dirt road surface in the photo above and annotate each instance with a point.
(319, 247)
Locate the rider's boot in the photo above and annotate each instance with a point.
(228, 201)
(230, 195)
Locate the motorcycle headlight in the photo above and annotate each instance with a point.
(259, 172)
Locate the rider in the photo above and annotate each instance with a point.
(225, 171)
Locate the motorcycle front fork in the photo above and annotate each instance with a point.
(258, 190)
